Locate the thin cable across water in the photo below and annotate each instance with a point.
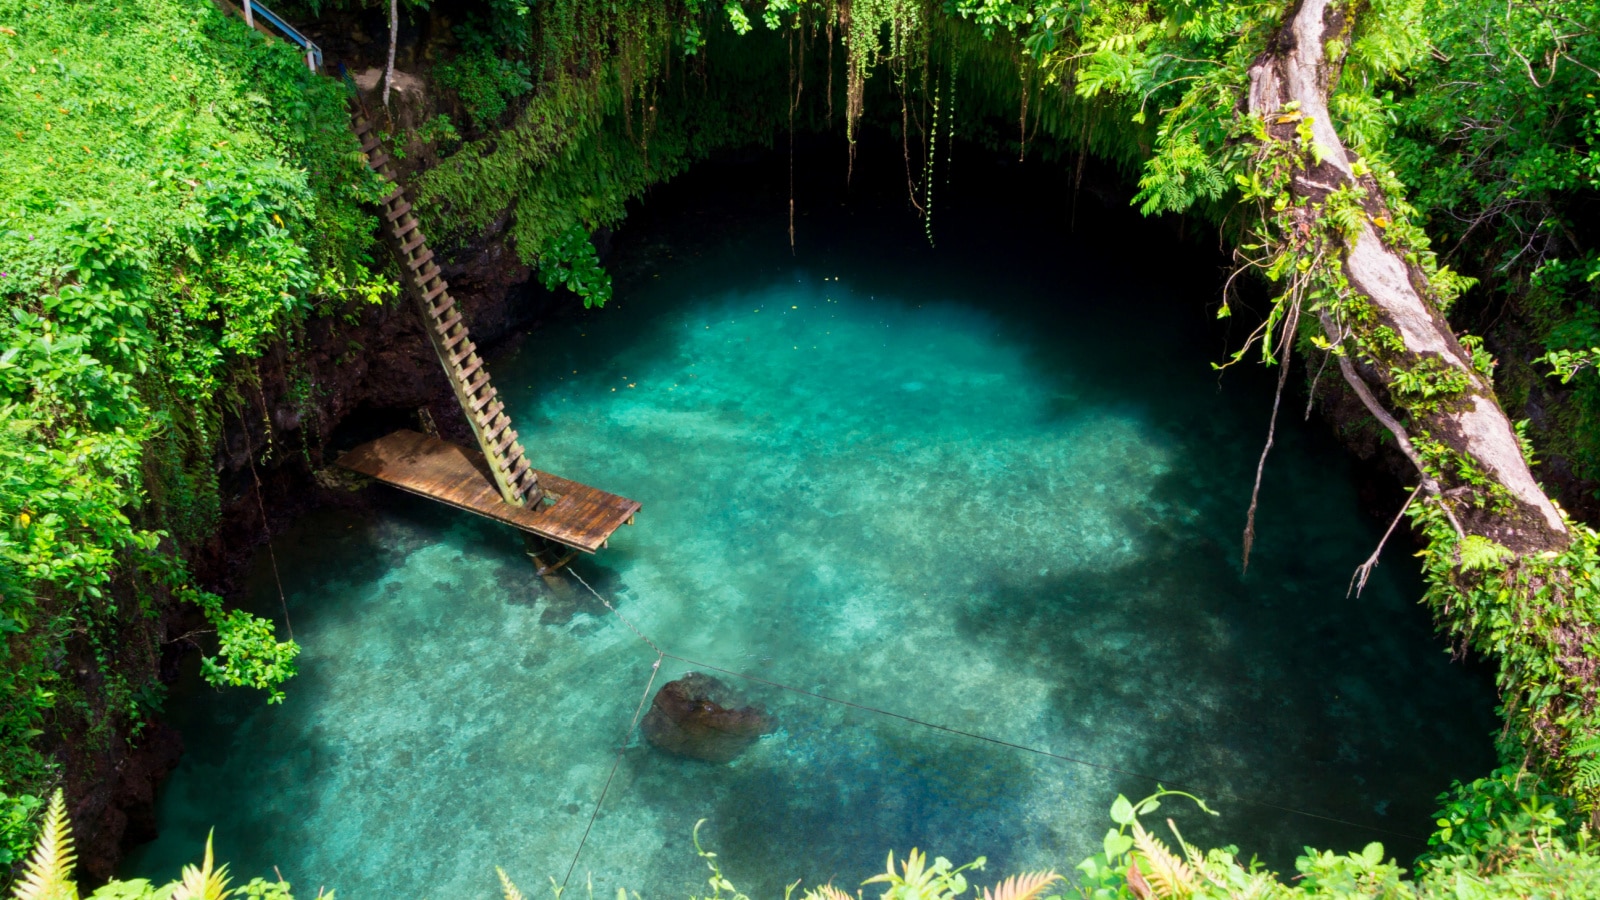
(663, 654)
(622, 745)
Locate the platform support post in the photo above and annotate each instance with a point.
(548, 556)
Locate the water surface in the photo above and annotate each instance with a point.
(995, 487)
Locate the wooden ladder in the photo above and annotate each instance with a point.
(447, 330)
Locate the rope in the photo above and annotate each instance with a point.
(631, 627)
(655, 669)
(267, 528)
(662, 654)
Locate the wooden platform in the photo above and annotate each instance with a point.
(582, 517)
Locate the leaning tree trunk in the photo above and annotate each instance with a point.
(1291, 82)
(394, 33)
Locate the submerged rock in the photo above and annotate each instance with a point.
(698, 717)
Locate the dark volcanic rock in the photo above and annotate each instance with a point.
(698, 717)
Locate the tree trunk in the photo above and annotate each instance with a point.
(394, 32)
(1295, 69)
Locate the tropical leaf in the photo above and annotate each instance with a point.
(1021, 887)
(1136, 883)
(1169, 877)
(828, 892)
(206, 882)
(48, 874)
(507, 885)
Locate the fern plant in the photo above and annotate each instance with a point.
(48, 873)
(1586, 757)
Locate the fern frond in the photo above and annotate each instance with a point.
(1260, 887)
(1588, 775)
(48, 874)
(1169, 876)
(1021, 887)
(205, 882)
(827, 892)
(1585, 747)
(507, 885)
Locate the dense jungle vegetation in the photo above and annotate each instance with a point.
(180, 195)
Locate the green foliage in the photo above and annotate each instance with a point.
(1423, 386)
(597, 130)
(1479, 553)
(48, 874)
(16, 827)
(249, 654)
(568, 260)
(920, 880)
(1498, 130)
(176, 193)
(486, 81)
(1539, 616)
(1499, 840)
(1493, 819)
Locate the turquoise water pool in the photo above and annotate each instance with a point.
(995, 487)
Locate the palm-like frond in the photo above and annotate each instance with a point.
(205, 882)
(1026, 886)
(1169, 876)
(828, 892)
(507, 885)
(48, 874)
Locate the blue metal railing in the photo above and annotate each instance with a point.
(313, 52)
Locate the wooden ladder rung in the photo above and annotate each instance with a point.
(417, 242)
(435, 291)
(472, 389)
(378, 160)
(371, 144)
(423, 278)
(398, 193)
(518, 470)
(399, 210)
(495, 432)
(492, 410)
(482, 401)
(455, 339)
(508, 440)
(401, 231)
(417, 262)
(470, 368)
(435, 312)
(362, 127)
(444, 327)
(463, 353)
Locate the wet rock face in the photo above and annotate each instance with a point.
(698, 717)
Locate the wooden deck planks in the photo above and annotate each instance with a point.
(583, 517)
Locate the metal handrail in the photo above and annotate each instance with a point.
(313, 52)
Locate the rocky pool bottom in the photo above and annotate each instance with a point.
(994, 487)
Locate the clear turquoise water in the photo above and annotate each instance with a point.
(996, 488)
